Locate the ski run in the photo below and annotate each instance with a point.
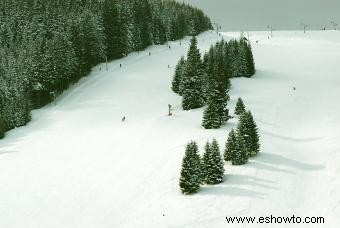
(78, 165)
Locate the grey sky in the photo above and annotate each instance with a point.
(236, 15)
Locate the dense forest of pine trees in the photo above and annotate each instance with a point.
(205, 81)
(47, 45)
(242, 143)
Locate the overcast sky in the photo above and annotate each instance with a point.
(236, 15)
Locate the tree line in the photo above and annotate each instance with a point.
(205, 81)
(47, 45)
(242, 143)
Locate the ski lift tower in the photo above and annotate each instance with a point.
(270, 27)
(217, 27)
(304, 27)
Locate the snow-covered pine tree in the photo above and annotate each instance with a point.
(205, 64)
(88, 40)
(61, 63)
(248, 129)
(216, 56)
(244, 130)
(142, 20)
(223, 89)
(211, 119)
(240, 107)
(205, 158)
(216, 112)
(241, 61)
(230, 146)
(158, 23)
(240, 155)
(213, 164)
(191, 172)
(211, 115)
(114, 28)
(177, 79)
(233, 52)
(253, 133)
(250, 61)
(14, 105)
(242, 57)
(192, 86)
(227, 63)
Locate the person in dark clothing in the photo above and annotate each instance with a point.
(170, 109)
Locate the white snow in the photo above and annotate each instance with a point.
(77, 165)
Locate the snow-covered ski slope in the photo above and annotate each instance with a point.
(77, 165)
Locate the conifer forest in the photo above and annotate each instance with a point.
(47, 45)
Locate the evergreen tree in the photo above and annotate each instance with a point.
(114, 29)
(233, 52)
(211, 119)
(250, 61)
(253, 135)
(240, 107)
(248, 130)
(14, 105)
(143, 18)
(191, 172)
(213, 164)
(205, 80)
(244, 130)
(241, 58)
(158, 23)
(230, 146)
(158, 26)
(177, 79)
(222, 90)
(60, 63)
(240, 155)
(205, 158)
(216, 58)
(242, 61)
(216, 112)
(192, 88)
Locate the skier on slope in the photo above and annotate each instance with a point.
(170, 109)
